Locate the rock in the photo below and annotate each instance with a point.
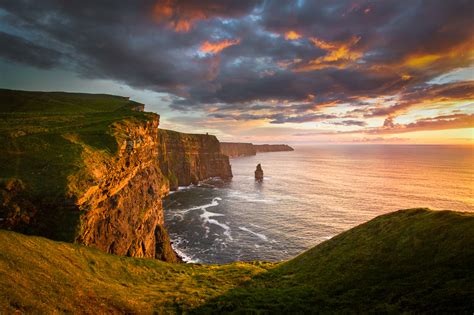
(236, 149)
(259, 173)
(272, 147)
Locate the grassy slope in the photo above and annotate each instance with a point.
(412, 260)
(407, 261)
(40, 275)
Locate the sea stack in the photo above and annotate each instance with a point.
(259, 173)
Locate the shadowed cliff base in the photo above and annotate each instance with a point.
(415, 261)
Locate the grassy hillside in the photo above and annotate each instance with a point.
(407, 261)
(13, 101)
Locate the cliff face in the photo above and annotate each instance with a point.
(235, 149)
(122, 212)
(97, 178)
(272, 147)
(188, 158)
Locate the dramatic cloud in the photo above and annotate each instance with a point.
(350, 123)
(332, 63)
(182, 15)
(339, 55)
(292, 35)
(21, 50)
(215, 47)
(435, 123)
(426, 95)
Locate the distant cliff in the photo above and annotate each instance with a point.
(236, 149)
(93, 169)
(272, 147)
(188, 158)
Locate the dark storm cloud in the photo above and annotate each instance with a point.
(119, 40)
(350, 122)
(20, 50)
(276, 118)
(341, 51)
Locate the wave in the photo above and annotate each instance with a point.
(222, 225)
(214, 203)
(207, 215)
(263, 237)
(186, 258)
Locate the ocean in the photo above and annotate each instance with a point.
(311, 194)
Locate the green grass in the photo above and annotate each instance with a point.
(38, 275)
(413, 261)
(12, 101)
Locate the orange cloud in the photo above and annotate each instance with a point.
(292, 35)
(216, 47)
(182, 15)
(455, 121)
(453, 56)
(179, 18)
(338, 55)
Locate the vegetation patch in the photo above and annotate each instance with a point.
(410, 261)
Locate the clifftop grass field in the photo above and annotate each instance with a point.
(411, 261)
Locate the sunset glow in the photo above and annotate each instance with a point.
(338, 71)
(216, 47)
(292, 35)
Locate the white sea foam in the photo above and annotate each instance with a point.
(180, 188)
(259, 235)
(207, 215)
(214, 203)
(222, 225)
(186, 258)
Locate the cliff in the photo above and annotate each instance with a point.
(92, 169)
(236, 149)
(188, 158)
(412, 261)
(272, 147)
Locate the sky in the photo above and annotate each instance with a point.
(262, 71)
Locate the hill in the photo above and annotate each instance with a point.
(408, 261)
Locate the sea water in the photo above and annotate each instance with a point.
(311, 194)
